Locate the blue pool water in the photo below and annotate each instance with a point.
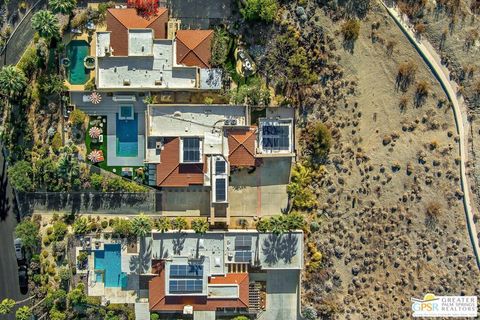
(127, 137)
(77, 50)
(109, 261)
(126, 112)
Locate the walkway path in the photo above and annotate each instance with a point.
(432, 59)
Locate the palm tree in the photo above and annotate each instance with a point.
(200, 225)
(141, 225)
(163, 224)
(62, 6)
(12, 81)
(46, 24)
(23, 313)
(179, 224)
(6, 306)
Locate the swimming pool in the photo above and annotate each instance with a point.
(108, 262)
(127, 137)
(77, 50)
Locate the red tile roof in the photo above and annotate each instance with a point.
(160, 302)
(194, 47)
(241, 146)
(120, 20)
(172, 173)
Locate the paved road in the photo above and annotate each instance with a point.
(8, 263)
(21, 37)
(431, 57)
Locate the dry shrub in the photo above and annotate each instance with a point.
(421, 92)
(434, 209)
(412, 8)
(420, 28)
(390, 45)
(351, 30)
(406, 74)
(403, 103)
(423, 88)
(432, 212)
(470, 38)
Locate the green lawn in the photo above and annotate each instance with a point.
(102, 146)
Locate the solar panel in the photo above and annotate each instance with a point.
(191, 270)
(243, 256)
(185, 286)
(243, 242)
(191, 150)
(275, 137)
(220, 190)
(220, 167)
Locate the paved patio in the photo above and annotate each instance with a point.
(110, 108)
(262, 192)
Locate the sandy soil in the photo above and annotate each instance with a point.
(388, 166)
(452, 40)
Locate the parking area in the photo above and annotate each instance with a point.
(262, 192)
(282, 295)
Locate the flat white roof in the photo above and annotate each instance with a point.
(103, 43)
(210, 79)
(191, 120)
(146, 72)
(140, 42)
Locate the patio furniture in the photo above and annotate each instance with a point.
(96, 156)
(95, 97)
(127, 171)
(95, 132)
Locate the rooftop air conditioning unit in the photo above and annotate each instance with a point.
(126, 82)
(158, 82)
(231, 122)
(158, 145)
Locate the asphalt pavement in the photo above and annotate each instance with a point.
(21, 38)
(9, 287)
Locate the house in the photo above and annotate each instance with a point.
(134, 54)
(217, 273)
(201, 145)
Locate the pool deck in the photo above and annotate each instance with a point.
(93, 44)
(130, 266)
(109, 108)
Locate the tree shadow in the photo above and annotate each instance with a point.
(279, 247)
(140, 263)
(4, 199)
(178, 243)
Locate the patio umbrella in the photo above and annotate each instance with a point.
(95, 132)
(95, 97)
(96, 156)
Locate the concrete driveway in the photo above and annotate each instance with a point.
(262, 192)
(282, 295)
